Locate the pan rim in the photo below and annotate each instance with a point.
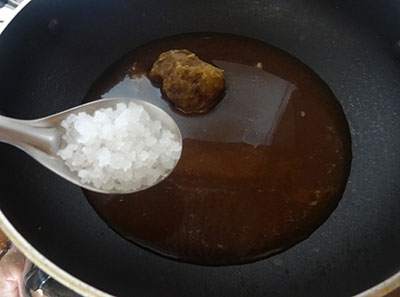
(60, 275)
(383, 288)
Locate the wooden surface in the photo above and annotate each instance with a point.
(3, 241)
(396, 293)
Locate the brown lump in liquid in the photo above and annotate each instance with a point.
(192, 85)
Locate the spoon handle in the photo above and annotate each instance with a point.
(24, 134)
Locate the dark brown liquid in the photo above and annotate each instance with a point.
(258, 173)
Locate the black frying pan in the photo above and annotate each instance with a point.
(52, 52)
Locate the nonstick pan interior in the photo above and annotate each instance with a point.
(53, 51)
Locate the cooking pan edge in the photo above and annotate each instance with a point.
(84, 289)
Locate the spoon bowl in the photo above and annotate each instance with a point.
(42, 138)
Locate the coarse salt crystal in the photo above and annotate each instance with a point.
(120, 149)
